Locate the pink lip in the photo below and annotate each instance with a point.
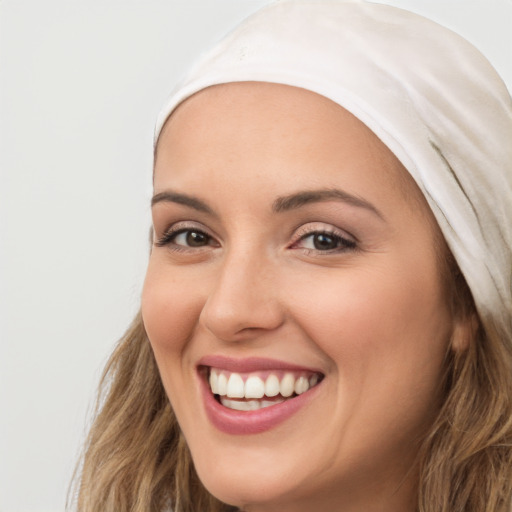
(250, 364)
(249, 422)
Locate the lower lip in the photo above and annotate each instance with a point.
(252, 422)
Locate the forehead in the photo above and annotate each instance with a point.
(252, 104)
(275, 119)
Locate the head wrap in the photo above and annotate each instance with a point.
(428, 94)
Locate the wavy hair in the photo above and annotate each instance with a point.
(135, 458)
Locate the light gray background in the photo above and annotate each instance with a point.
(81, 82)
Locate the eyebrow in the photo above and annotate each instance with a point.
(298, 199)
(281, 204)
(169, 196)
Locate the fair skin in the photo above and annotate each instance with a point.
(345, 286)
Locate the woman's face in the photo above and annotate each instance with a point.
(294, 256)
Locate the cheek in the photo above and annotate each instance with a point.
(386, 331)
(169, 312)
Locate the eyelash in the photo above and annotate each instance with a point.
(343, 244)
(168, 238)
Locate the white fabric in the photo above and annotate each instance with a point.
(430, 96)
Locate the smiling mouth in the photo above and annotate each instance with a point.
(258, 390)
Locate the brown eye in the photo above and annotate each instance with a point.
(324, 242)
(186, 239)
(196, 238)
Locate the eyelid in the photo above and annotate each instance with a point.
(179, 227)
(347, 242)
(321, 227)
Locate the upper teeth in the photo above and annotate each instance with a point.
(230, 384)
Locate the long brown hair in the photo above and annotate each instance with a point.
(136, 459)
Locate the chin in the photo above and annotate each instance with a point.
(247, 485)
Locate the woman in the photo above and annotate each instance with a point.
(326, 317)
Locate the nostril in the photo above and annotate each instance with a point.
(239, 326)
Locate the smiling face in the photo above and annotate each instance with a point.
(295, 267)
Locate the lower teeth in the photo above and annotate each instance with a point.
(249, 405)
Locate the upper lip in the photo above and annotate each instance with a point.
(251, 364)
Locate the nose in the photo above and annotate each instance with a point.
(243, 301)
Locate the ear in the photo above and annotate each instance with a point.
(465, 329)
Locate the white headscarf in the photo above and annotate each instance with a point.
(428, 94)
